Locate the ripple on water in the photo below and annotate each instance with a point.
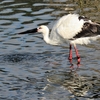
(31, 69)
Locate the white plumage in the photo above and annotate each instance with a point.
(67, 26)
(72, 29)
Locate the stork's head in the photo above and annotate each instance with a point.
(43, 29)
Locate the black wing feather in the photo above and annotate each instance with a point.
(89, 30)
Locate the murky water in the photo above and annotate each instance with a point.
(32, 70)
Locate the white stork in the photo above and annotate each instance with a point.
(72, 29)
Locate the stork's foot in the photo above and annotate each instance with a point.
(72, 66)
(71, 63)
(78, 61)
(70, 60)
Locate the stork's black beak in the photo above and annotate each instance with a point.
(29, 31)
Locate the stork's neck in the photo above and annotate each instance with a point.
(49, 40)
(46, 37)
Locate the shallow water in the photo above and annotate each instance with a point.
(32, 70)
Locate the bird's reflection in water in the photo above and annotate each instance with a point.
(77, 85)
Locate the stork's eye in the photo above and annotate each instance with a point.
(40, 27)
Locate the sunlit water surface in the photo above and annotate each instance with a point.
(32, 70)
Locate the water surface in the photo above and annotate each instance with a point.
(30, 69)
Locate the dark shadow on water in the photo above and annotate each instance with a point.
(19, 57)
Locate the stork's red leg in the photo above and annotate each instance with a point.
(78, 56)
(70, 55)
